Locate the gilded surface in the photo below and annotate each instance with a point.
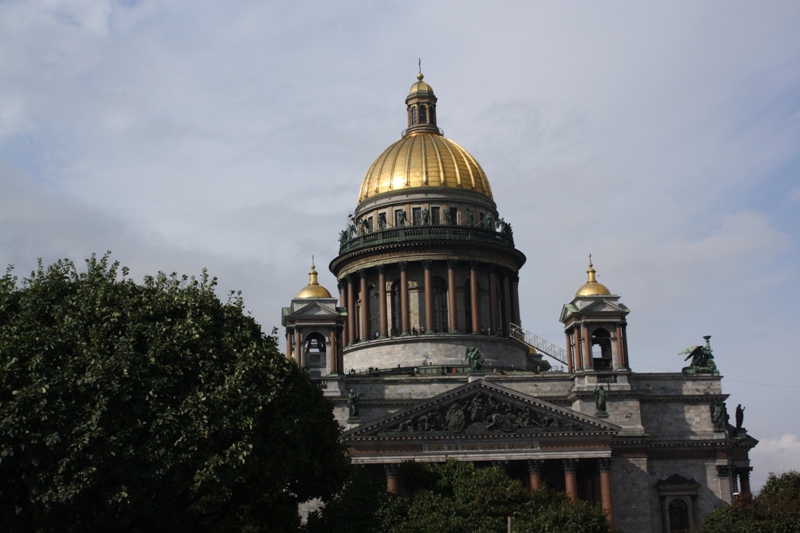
(424, 159)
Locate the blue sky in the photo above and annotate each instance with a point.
(662, 137)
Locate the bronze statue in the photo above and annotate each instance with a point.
(352, 403)
(474, 358)
(363, 226)
(426, 217)
(739, 416)
(600, 396)
(470, 217)
(448, 217)
(702, 359)
(718, 415)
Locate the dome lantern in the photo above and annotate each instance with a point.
(421, 107)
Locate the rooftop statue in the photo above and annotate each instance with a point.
(352, 403)
(474, 358)
(702, 359)
(600, 395)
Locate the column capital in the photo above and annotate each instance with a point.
(391, 469)
(451, 263)
(473, 265)
(744, 471)
(723, 470)
(381, 269)
(604, 464)
(403, 265)
(535, 466)
(427, 265)
(570, 465)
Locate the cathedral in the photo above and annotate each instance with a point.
(424, 356)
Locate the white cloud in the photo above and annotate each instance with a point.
(775, 455)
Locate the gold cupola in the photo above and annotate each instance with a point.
(313, 289)
(592, 287)
(423, 157)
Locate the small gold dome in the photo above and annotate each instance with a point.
(313, 289)
(424, 159)
(592, 287)
(420, 86)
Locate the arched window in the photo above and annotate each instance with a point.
(601, 348)
(314, 348)
(373, 312)
(423, 114)
(413, 115)
(678, 516)
(468, 306)
(396, 308)
(439, 293)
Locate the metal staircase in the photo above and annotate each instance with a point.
(539, 344)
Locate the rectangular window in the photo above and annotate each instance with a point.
(435, 218)
(416, 216)
(370, 227)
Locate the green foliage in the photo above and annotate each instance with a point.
(454, 497)
(776, 509)
(149, 407)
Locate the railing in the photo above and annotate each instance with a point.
(547, 348)
(422, 233)
(430, 370)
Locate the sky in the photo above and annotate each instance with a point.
(661, 137)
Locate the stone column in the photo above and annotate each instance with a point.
(506, 306)
(570, 478)
(493, 299)
(535, 471)
(289, 337)
(515, 296)
(473, 297)
(383, 316)
(298, 346)
(604, 465)
(744, 479)
(392, 478)
(351, 312)
(576, 337)
(330, 353)
(587, 348)
(340, 350)
(428, 298)
(620, 362)
(364, 306)
(405, 320)
(451, 296)
(569, 354)
(725, 486)
(625, 343)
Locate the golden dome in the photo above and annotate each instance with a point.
(424, 159)
(420, 86)
(313, 289)
(592, 287)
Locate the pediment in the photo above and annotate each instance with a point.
(482, 409)
(595, 307)
(315, 309)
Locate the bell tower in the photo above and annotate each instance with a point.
(595, 326)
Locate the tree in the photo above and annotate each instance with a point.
(776, 509)
(150, 407)
(454, 497)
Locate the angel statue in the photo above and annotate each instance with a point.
(702, 359)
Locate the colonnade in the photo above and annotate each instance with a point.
(535, 467)
(579, 345)
(498, 279)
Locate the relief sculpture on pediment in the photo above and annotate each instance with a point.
(482, 413)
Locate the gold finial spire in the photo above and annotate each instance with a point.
(591, 271)
(312, 276)
(419, 73)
